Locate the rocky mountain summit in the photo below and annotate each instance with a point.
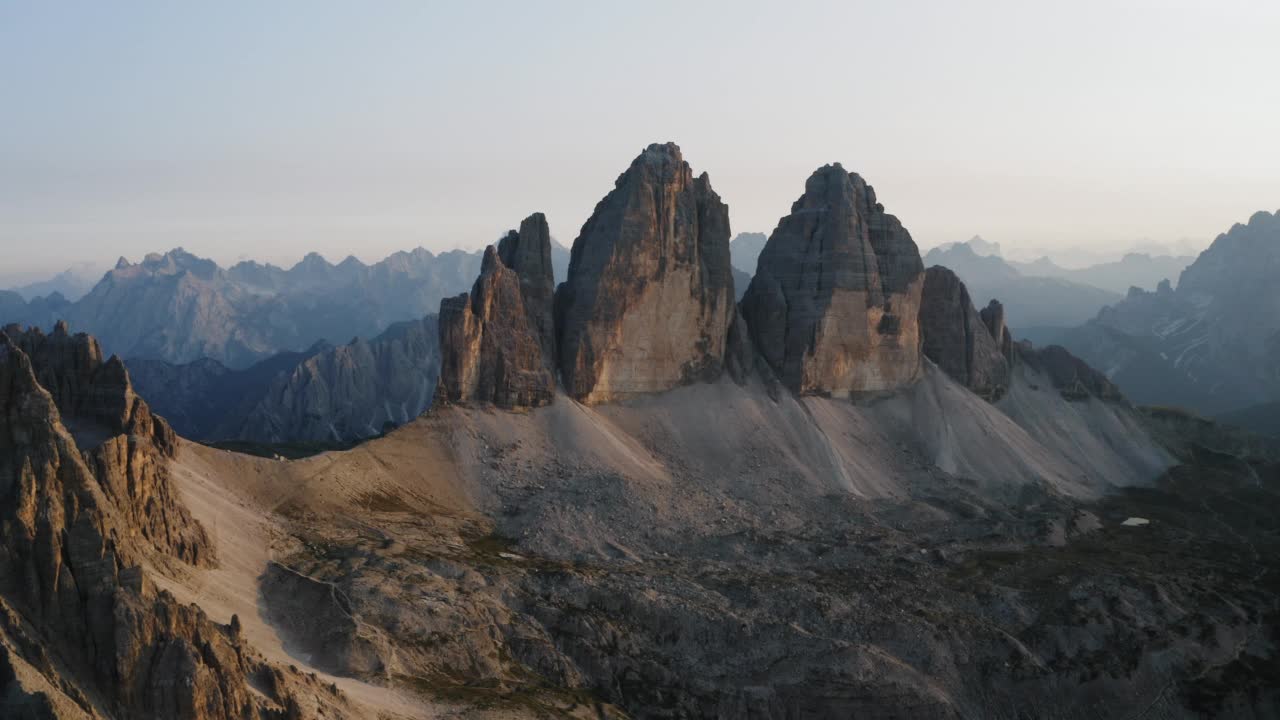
(834, 302)
(649, 297)
(744, 252)
(529, 252)
(1210, 343)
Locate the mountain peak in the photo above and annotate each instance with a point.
(834, 304)
(656, 247)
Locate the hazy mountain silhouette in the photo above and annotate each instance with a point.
(181, 308)
(1211, 344)
(1031, 301)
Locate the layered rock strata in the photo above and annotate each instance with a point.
(649, 297)
(835, 301)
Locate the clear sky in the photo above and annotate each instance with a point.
(267, 129)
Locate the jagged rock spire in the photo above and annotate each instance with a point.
(528, 253)
(490, 349)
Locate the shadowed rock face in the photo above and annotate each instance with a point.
(993, 317)
(956, 339)
(1070, 375)
(490, 350)
(649, 298)
(834, 304)
(528, 253)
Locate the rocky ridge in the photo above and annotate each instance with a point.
(349, 392)
(123, 443)
(1210, 343)
(82, 632)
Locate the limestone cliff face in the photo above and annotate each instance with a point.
(125, 446)
(75, 608)
(835, 301)
(955, 337)
(649, 298)
(491, 348)
(528, 253)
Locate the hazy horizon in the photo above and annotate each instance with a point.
(266, 132)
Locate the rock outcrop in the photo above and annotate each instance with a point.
(123, 443)
(528, 253)
(76, 611)
(649, 298)
(491, 346)
(834, 304)
(993, 317)
(955, 337)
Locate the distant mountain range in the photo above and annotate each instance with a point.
(744, 250)
(73, 283)
(1133, 270)
(180, 308)
(1032, 301)
(1211, 342)
(329, 394)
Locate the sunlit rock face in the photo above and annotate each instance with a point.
(834, 304)
(649, 298)
(490, 352)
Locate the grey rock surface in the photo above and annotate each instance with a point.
(649, 297)
(835, 300)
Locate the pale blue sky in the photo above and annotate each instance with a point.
(267, 129)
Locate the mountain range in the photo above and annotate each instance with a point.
(1133, 270)
(1209, 344)
(853, 493)
(180, 308)
(72, 284)
(1034, 301)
